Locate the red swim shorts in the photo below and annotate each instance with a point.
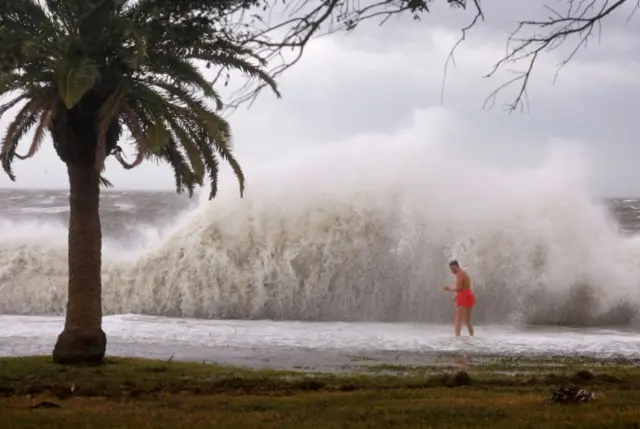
(465, 298)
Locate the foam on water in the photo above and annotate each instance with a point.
(252, 341)
(361, 232)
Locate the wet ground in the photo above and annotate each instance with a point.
(315, 346)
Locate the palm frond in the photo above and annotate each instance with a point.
(43, 125)
(11, 104)
(93, 16)
(26, 16)
(179, 70)
(63, 14)
(75, 77)
(109, 113)
(211, 164)
(135, 126)
(23, 122)
(111, 65)
(198, 130)
(190, 147)
(105, 183)
(234, 62)
(183, 175)
(8, 82)
(237, 170)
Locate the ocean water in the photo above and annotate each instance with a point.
(342, 249)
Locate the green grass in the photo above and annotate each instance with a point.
(519, 367)
(137, 393)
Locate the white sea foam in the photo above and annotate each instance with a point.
(362, 231)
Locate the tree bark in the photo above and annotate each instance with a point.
(83, 340)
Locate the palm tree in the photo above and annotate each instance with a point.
(89, 71)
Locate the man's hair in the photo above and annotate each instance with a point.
(454, 263)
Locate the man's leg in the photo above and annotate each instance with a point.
(457, 321)
(467, 320)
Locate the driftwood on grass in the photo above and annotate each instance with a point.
(571, 394)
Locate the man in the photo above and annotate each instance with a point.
(465, 299)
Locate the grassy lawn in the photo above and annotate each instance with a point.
(135, 393)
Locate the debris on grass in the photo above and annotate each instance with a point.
(571, 394)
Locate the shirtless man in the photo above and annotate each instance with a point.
(465, 299)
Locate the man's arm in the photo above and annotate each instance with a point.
(458, 287)
(459, 278)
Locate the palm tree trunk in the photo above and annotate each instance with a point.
(83, 340)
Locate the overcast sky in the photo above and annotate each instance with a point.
(386, 80)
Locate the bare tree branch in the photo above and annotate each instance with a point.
(581, 20)
(451, 58)
(278, 31)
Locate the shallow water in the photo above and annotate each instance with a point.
(323, 345)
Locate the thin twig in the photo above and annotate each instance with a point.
(451, 58)
(581, 19)
(280, 34)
